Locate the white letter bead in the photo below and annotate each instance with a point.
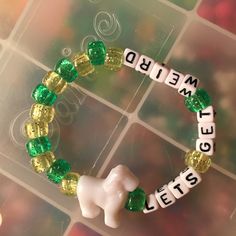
(130, 58)
(164, 197)
(206, 146)
(150, 204)
(188, 86)
(178, 188)
(174, 79)
(206, 115)
(145, 65)
(159, 73)
(190, 177)
(207, 130)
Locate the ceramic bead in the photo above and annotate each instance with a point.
(109, 194)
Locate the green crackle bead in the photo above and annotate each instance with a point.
(66, 70)
(58, 170)
(96, 52)
(198, 101)
(136, 200)
(43, 95)
(38, 146)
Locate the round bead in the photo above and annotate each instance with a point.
(114, 59)
(58, 170)
(35, 129)
(83, 64)
(54, 82)
(40, 112)
(198, 160)
(43, 95)
(69, 184)
(42, 162)
(66, 70)
(136, 200)
(96, 52)
(198, 101)
(38, 146)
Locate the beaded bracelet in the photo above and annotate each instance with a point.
(120, 188)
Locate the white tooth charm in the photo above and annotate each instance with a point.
(110, 194)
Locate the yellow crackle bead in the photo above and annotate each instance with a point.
(54, 82)
(68, 185)
(42, 162)
(40, 112)
(198, 160)
(82, 64)
(114, 59)
(35, 129)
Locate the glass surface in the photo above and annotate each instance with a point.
(23, 213)
(10, 12)
(186, 4)
(221, 13)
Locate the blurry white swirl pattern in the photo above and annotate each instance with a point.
(107, 26)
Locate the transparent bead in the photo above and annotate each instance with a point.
(198, 160)
(42, 162)
(40, 112)
(82, 64)
(198, 101)
(38, 146)
(66, 70)
(69, 184)
(58, 170)
(114, 59)
(43, 95)
(54, 82)
(35, 129)
(96, 52)
(136, 200)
